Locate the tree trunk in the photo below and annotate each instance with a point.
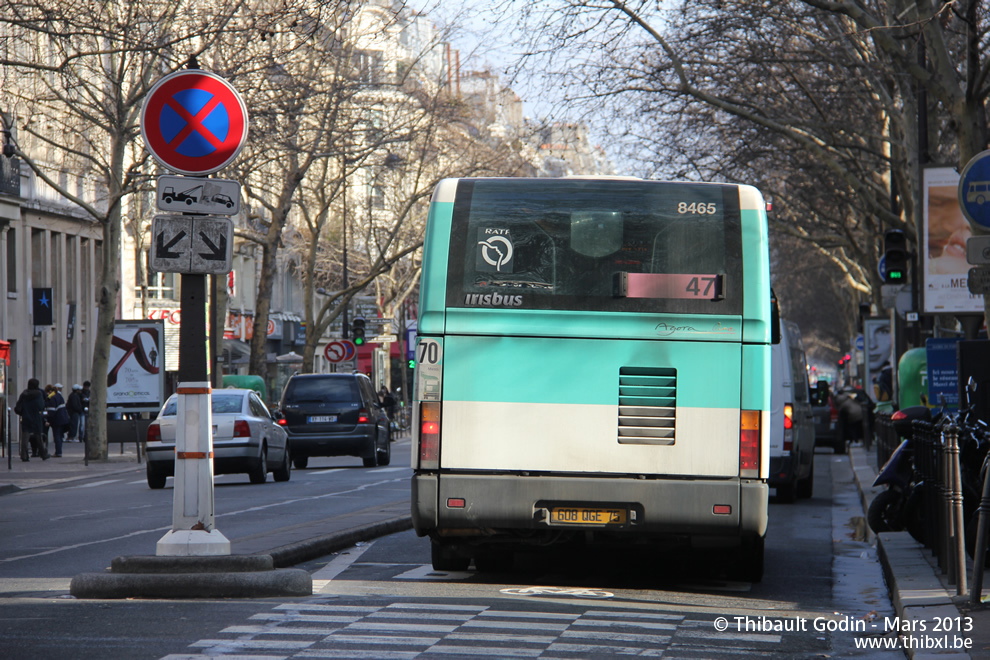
(96, 421)
(262, 308)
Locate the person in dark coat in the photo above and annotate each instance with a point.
(74, 405)
(85, 415)
(31, 408)
(58, 417)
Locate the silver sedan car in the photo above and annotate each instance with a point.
(246, 438)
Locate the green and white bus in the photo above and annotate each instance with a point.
(592, 365)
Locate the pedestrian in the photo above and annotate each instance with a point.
(75, 407)
(31, 408)
(849, 426)
(58, 417)
(85, 415)
(388, 402)
(49, 388)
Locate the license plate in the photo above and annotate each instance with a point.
(322, 419)
(576, 515)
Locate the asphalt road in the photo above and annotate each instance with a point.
(53, 533)
(382, 598)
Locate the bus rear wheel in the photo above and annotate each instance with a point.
(445, 557)
(749, 560)
(494, 560)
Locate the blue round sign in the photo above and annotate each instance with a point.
(974, 191)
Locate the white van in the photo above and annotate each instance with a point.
(792, 426)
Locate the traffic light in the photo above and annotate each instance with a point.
(412, 364)
(357, 332)
(844, 360)
(895, 256)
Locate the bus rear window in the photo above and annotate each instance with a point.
(586, 244)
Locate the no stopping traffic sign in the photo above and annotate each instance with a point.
(194, 122)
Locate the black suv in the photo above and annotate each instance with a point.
(335, 415)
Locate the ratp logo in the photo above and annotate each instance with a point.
(494, 251)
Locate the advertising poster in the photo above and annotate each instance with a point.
(943, 372)
(136, 373)
(944, 266)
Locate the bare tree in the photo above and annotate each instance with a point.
(815, 101)
(75, 77)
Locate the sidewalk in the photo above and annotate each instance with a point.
(70, 467)
(920, 593)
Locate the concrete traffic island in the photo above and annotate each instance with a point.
(229, 576)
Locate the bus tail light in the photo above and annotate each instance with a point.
(749, 444)
(788, 426)
(429, 436)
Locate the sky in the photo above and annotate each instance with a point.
(485, 43)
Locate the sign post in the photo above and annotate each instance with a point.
(193, 123)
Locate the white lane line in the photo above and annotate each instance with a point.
(339, 564)
(400, 627)
(253, 509)
(74, 546)
(478, 651)
(94, 484)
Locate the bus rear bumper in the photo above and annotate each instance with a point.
(699, 511)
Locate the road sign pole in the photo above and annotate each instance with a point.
(193, 531)
(194, 123)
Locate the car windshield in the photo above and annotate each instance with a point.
(322, 390)
(221, 403)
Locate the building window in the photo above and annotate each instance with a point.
(370, 66)
(160, 286)
(376, 196)
(11, 261)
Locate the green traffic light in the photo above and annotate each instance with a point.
(896, 275)
(359, 341)
(412, 364)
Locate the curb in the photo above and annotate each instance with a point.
(228, 576)
(296, 553)
(267, 584)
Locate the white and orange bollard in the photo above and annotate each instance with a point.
(193, 532)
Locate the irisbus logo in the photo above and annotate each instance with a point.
(493, 300)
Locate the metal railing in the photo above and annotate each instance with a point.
(939, 486)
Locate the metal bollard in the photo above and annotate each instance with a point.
(979, 556)
(957, 522)
(945, 532)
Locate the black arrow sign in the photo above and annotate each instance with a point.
(162, 248)
(217, 252)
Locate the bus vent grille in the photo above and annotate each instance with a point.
(647, 406)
